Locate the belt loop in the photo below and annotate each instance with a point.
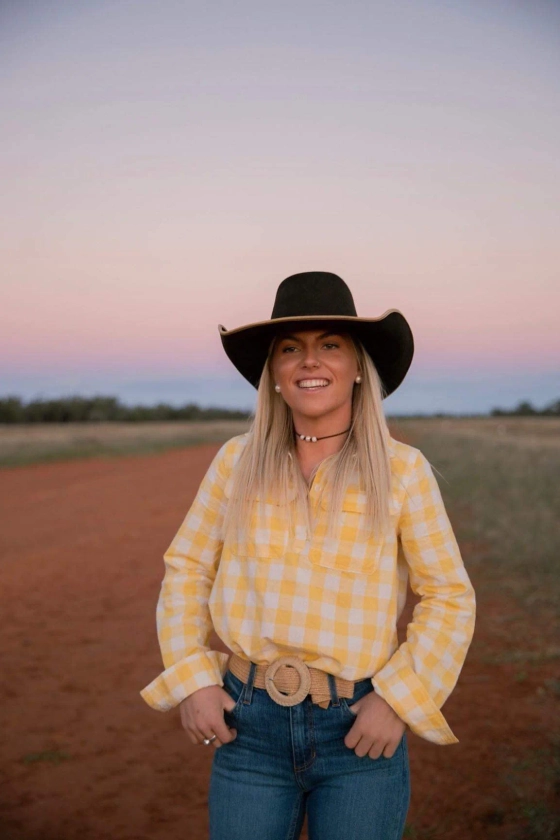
(332, 688)
(249, 684)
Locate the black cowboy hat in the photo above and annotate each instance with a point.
(317, 297)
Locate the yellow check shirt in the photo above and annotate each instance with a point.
(335, 603)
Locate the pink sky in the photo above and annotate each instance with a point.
(163, 171)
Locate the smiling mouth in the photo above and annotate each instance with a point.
(313, 384)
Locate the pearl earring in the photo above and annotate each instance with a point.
(358, 379)
(277, 388)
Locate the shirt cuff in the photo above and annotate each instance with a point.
(399, 685)
(184, 678)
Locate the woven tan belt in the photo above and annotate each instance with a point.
(290, 674)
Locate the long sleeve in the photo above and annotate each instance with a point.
(182, 616)
(422, 672)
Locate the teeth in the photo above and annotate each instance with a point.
(313, 383)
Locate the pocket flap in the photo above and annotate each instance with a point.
(272, 499)
(356, 502)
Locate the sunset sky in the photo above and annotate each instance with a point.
(165, 165)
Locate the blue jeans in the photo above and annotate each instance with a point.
(289, 760)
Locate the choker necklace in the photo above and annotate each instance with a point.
(324, 437)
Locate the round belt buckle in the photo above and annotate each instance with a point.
(304, 681)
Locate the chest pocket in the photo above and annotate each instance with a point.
(355, 547)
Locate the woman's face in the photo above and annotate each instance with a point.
(316, 371)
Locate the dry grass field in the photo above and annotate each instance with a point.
(81, 544)
(521, 431)
(500, 478)
(27, 444)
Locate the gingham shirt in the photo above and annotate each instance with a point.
(333, 603)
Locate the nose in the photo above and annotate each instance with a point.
(310, 359)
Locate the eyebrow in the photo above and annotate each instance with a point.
(290, 337)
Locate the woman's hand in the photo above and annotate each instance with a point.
(202, 715)
(377, 729)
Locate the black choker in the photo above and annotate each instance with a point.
(324, 437)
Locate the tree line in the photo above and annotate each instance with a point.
(526, 409)
(102, 409)
(110, 409)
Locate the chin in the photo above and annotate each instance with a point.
(313, 412)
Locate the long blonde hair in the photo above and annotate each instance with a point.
(265, 468)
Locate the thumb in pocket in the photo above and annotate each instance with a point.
(229, 703)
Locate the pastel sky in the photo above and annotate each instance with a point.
(165, 165)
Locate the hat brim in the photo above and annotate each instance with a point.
(387, 339)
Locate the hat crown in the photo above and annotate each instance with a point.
(313, 293)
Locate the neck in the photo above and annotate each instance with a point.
(321, 427)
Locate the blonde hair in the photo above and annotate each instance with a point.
(265, 470)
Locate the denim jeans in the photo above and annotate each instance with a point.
(289, 760)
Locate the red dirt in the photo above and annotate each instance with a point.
(82, 546)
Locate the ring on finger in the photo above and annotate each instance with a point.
(209, 740)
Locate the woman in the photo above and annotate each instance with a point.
(297, 549)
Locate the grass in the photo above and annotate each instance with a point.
(45, 442)
(502, 494)
(503, 500)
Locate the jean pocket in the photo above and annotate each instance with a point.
(347, 708)
(361, 690)
(235, 688)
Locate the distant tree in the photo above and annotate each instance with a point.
(11, 410)
(553, 408)
(524, 409)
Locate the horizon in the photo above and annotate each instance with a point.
(235, 400)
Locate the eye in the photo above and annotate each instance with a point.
(331, 344)
(288, 348)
